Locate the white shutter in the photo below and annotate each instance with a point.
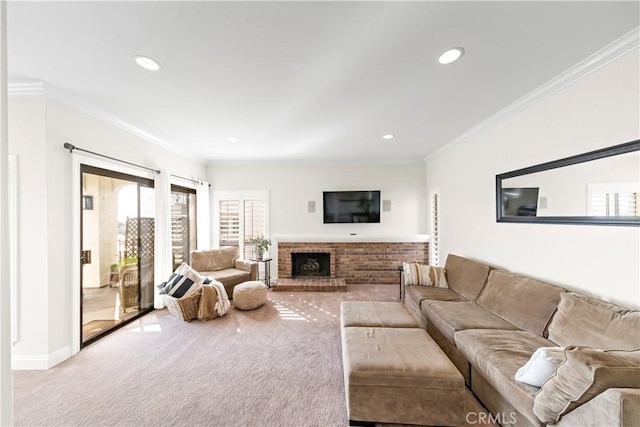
(229, 227)
(614, 199)
(254, 224)
(434, 243)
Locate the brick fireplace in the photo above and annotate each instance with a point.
(359, 262)
(310, 264)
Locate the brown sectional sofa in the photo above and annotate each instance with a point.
(489, 322)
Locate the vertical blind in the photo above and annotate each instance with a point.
(434, 246)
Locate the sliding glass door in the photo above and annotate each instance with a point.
(117, 258)
(183, 224)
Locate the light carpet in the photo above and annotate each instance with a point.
(278, 365)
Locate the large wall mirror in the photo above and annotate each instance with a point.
(600, 187)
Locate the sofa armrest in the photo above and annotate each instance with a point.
(250, 266)
(613, 407)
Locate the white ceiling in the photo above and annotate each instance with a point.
(305, 81)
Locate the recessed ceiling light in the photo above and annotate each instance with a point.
(147, 63)
(233, 139)
(451, 55)
(388, 136)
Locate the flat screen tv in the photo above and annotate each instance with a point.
(350, 206)
(520, 201)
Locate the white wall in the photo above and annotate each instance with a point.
(292, 187)
(38, 128)
(600, 110)
(27, 140)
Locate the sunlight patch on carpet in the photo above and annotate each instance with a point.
(287, 313)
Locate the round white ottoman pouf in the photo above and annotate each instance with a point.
(249, 295)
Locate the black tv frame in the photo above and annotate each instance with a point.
(368, 218)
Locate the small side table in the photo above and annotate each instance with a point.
(401, 271)
(267, 270)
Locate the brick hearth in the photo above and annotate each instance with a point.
(357, 262)
(310, 284)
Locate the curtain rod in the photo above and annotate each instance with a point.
(72, 147)
(187, 179)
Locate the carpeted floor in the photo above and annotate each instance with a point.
(279, 365)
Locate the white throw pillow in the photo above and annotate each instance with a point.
(541, 366)
(185, 282)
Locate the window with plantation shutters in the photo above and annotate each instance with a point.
(241, 216)
(614, 199)
(229, 222)
(254, 224)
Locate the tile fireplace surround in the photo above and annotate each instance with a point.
(357, 259)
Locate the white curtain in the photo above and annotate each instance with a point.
(163, 235)
(203, 236)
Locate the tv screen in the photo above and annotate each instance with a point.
(351, 206)
(520, 201)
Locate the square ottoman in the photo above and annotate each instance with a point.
(400, 375)
(376, 313)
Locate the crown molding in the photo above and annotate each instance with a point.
(53, 92)
(43, 88)
(25, 89)
(73, 101)
(313, 163)
(604, 56)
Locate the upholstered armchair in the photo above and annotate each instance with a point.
(225, 266)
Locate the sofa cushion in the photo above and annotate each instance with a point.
(584, 374)
(497, 355)
(450, 317)
(465, 276)
(415, 273)
(421, 293)
(214, 259)
(229, 276)
(388, 314)
(612, 407)
(520, 300)
(590, 322)
(390, 357)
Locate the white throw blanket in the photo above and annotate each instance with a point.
(222, 302)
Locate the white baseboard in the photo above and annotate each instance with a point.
(26, 362)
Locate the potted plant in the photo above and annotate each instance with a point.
(261, 245)
(131, 259)
(114, 270)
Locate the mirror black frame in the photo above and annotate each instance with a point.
(627, 147)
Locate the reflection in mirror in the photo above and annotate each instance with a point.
(600, 187)
(520, 201)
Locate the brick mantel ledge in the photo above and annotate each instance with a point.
(350, 238)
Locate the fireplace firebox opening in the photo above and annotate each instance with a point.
(310, 264)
